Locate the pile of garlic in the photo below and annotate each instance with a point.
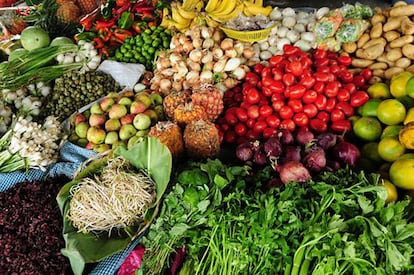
(86, 53)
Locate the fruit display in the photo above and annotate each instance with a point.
(221, 136)
(116, 119)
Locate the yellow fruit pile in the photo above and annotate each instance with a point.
(213, 12)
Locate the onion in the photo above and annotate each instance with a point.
(292, 153)
(239, 73)
(248, 53)
(232, 64)
(197, 43)
(346, 153)
(272, 147)
(193, 66)
(208, 43)
(244, 151)
(259, 157)
(208, 57)
(285, 136)
(217, 53)
(315, 160)
(188, 46)
(165, 85)
(293, 171)
(326, 140)
(304, 136)
(195, 55)
(227, 44)
(206, 76)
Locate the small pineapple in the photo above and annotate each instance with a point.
(188, 112)
(172, 100)
(68, 12)
(170, 135)
(201, 139)
(211, 99)
(87, 6)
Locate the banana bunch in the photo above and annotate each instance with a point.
(255, 7)
(183, 15)
(220, 11)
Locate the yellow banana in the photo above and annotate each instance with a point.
(165, 17)
(224, 7)
(252, 9)
(177, 17)
(185, 13)
(189, 4)
(258, 2)
(224, 18)
(199, 6)
(179, 26)
(211, 5)
(211, 22)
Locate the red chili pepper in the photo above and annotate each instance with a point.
(87, 21)
(147, 16)
(136, 26)
(104, 24)
(105, 34)
(143, 9)
(98, 43)
(104, 51)
(122, 34)
(121, 3)
(119, 11)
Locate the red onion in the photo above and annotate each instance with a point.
(304, 136)
(346, 153)
(293, 171)
(326, 140)
(259, 157)
(272, 147)
(285, 136)
(244, 151)
(315, 160)
(292, 153)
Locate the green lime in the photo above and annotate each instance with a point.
(369, 108)
(391, 131)
(367, 128)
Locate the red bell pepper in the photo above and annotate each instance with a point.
(121, 34)
(88, 20)
(104, 24)
(147, 17)
(98, 43)
(105, 34)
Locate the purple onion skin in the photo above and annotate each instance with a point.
(178, 260)
(285, 136)
(274, 183)
(244, 151)
(315, 161)
(326, 140)
(293, 171)
(292, 153)
(272, 147)
(346, 153)
(332, 165)
(259, 157)
(304, 136)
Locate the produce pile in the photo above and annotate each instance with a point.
(228, 137)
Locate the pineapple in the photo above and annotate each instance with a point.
(201, 139)
(174, 99)
(188, 112)
(87, 6)
(170, 135)
(211, 99)
(68, 12)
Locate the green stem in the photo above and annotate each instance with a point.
(288, 269)
(305, 266)
(297, 260)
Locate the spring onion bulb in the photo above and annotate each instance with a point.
(115, 199)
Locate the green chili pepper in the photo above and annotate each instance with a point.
(126, 20)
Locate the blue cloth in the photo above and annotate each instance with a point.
(8, 180)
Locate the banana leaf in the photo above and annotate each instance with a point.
(83, 248)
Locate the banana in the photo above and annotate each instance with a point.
(252, 9)
(227, 17)
(165, 17)
(199, 6)
(177, 17)
(179, 26)
(185, 13)
(258, 2)
(211, 5)
(224, 7)
(189, 4)
(211, 22)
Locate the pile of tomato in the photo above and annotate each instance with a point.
(297, 89)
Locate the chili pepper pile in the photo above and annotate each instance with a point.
(117, 20)
(297, 89)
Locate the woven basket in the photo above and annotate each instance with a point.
(247, 36)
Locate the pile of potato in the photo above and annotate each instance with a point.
(387, 47)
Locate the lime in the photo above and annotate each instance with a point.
(367, 128)
(402, 173)
(370, 151)
(391, 131)
(390, 149)
(369, 108)
(391, 112)
(399, 83)
(410, 87)
(379, 90)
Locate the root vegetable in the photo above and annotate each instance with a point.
(293, 171)
(244, 151)
(346, 153)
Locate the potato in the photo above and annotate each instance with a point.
(378, 72)
(410, 69)
(407, 26)
(373, 51)
(349, 47)
(389, 73)
(375, 41)
(383, 58)
(402, 10)
(403, 62)
(378, 18)
(362, 40)
(378, 66)
(408, 51)
(400, 3)
(391, 35)
(375, 79)
(376, 30)
(394, 54)
(355, 70)
(393, 23)
(361, 63)
(399, 42)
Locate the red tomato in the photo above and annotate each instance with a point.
(296, 105)
(287, 124)
(310, 110)
(242, 114)
(266, 91)
(253, 111)
(252, 96)
(230, 118)
(318, 125)
(277, 73)
(288, 79)
(265, 110)
(323, 69)
(321, 77)
(331, 88)
(341, 126)
(296, 68)
(330, 104)
(309, 96)
(319, 54)
(346, 108)
(266, 72)
(307, 81)
(267, 81)
(345, 60)
(245, 105)
(297, 91)
(240, 129)
(276, 59)
(343, 95)
(320, 102)
(252, 135)
(359, 98)
(337, 114)
(259, 126)
(252, 78)
(307, 72)
(359, 81)
(277, 105)
(289, 49)
(277, 86)
(306, 62)
(346, 76)
(333, 62)
(319, 87)
(301, 119)
(250, 123)
(238, 97)
(286, 112)
(366, 74)
(258, 68)
(224, 127)
(350, 87)
(331, 55)
(321, 62)
(230, 136)
(277, 96)
(324, 116)
(273, 121)
(269, 132)
(335, 69)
